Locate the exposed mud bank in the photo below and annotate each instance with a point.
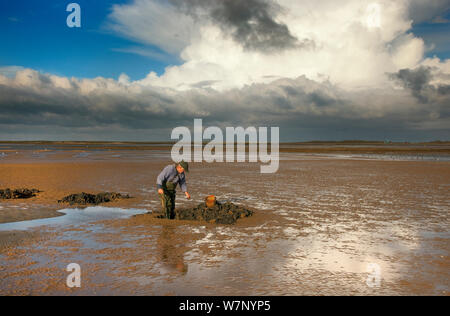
(93, 199)
(222, 213)
(16, 194)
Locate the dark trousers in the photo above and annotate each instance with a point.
(168, 203)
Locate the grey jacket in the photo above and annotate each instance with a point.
(171, 174)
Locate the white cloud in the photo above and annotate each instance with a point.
(441, 68)
(153, 22)
(348, 50)
(407, 51)
(33, 98)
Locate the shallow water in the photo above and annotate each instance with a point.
(112, 152)
(74, 217)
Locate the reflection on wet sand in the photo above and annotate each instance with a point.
(172, 255)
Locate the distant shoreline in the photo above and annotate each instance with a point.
(314, 142)
(311, 147)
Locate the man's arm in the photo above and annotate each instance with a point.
(184, 187)
(183, 183)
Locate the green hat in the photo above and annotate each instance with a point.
(185, 165)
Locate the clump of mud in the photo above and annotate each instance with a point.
(9, 194)
(222, 213)
(93, 199)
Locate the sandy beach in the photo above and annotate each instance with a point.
(329, 213)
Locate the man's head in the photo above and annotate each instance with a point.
(182, 167)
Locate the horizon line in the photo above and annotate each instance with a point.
(207, 141)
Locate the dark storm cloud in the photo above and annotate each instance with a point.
(428, 10)
(444, 90)
(321, 99)
(318, 97)
(103, 108)
(418, 82)
(251, 22)
(71, 109)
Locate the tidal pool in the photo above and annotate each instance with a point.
(75, 216)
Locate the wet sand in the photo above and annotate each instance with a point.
(319, 223)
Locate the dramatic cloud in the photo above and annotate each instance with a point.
(251, 23)
(300, 106)
(418, 81)
(352, 43)
(317, 69)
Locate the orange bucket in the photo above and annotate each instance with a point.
(210, 201)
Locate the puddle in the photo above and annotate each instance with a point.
(82, 155)
(74, 217)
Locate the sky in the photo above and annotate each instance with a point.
(136, 69)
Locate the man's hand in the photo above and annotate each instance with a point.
(188, 196)
(160, 191)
